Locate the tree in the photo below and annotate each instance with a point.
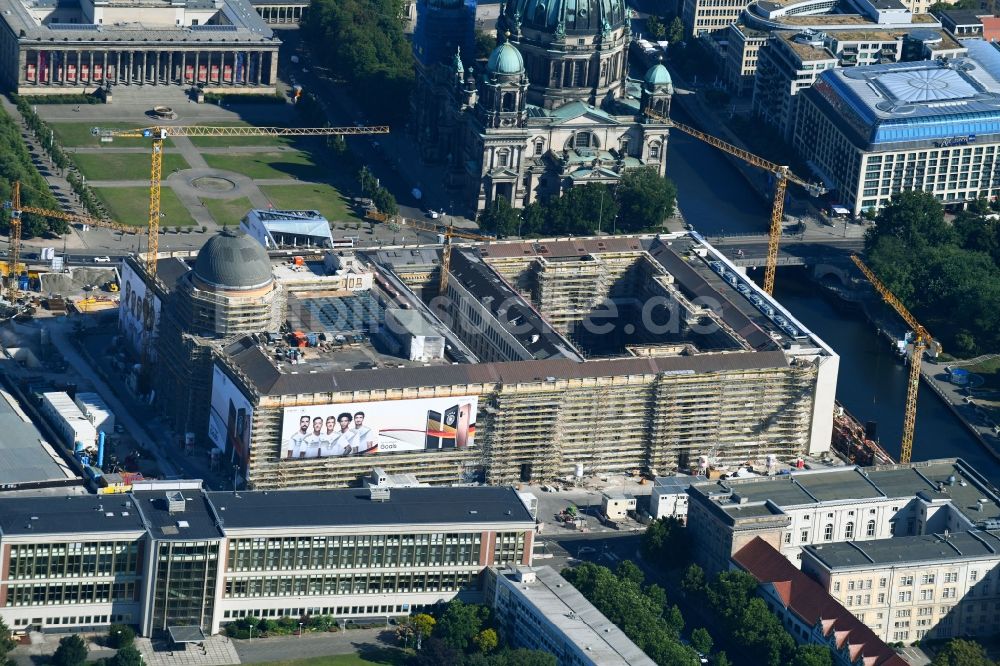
(693, 582)
(486, 640)
(719, 659)
(675, 33)
(812, 655)
(627, 570)
(423, 626)
(701, 640)
(6, 642)
(524, 657)
(655, 28)
(384, 201)
(645, 199)
(485, 43)
(72, 651)
(961, 652)
(666, 543)
(500, 218)
(367, 181)
(459, 623)
(914, 217)
(437, 653)
(126, 656)
(120, 635)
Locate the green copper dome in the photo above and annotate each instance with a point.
(505, 59)
(657, 75)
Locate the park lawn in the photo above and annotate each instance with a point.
(311, 196)
(78, 135)
(130, 205)
(374, 657)
(291, 164)
(227, 212)
(988, 369)
(230, 141)
(125, 166)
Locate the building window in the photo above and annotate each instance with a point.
(927, 579)
(849, 531)
(828, 533)
(804, 536)
(788, 537)
(624, 146)
(539, 147)
(582, 140)
(870, 531)
(654, 151)
(503, 158)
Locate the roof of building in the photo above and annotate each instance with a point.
(575, 618)
(168, 271)
(928, 480)
(804, 51)
(916, 101)
(812, 604)
(195, 521)
(657, 75)
(232, 259)
(354, 506)
(294, 222)
(675, 484)
(505, 59)
(25, 456)
(70, 515)
(960, 17)
(242, 25)
(568, 16)
(908, 550)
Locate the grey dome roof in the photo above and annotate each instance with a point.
(576, 16)
(233, 260)
(505, 59)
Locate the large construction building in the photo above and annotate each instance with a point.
(541, 360)
(70, 47)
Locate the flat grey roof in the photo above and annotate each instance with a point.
(70, 514)
(354, 507)
(25, 456)
(908, 550)
(247, 23)
(196, 521)
(577, 619)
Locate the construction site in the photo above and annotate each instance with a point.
(524, 361)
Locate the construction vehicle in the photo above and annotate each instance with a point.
(921, 341)
(782, 176)
(16, 210)
(157, 135)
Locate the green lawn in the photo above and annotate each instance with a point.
(125, 166)
(290, 164)
(130, 205)
(73, 135)
(311, 196)
(228, 141)
(371, 657)
(227, 211)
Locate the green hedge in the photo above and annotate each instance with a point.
(81, 98)
(232, 98)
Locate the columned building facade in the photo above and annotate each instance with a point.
(225, 48)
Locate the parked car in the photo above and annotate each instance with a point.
(102, 260)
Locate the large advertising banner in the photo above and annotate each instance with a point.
(229, 419)
(368, 428)
(132, 313)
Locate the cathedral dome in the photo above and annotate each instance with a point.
(657, 75)
(505, 59)
(569, 16)
(233, 260)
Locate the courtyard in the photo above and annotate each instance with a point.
(209, 181)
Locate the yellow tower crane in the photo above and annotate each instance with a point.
(157, 135)
(448, 233)
(921, 340)
(782, 176)
(16, 210)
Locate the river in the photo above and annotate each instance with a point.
(872, 385)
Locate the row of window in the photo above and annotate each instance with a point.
(76, 620)
(338, 611)
(298, 586)
(69, 593)
(74, 560)
(351, 552)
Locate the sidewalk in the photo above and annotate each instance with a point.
(44, 645)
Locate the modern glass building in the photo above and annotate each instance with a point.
(171, 555)
(870, 132)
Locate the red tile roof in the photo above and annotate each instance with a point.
(812, 604)
(991, 28)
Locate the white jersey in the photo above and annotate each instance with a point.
(363, 438)
(296, 442)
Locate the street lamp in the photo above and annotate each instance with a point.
(300, 630)
(251, 633)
